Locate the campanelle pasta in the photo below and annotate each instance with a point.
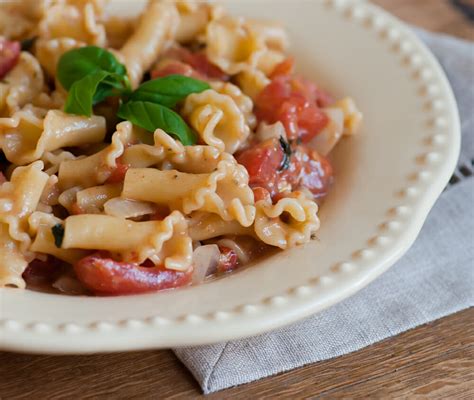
(130, 187)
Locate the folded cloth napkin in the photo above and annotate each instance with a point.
(434, 279)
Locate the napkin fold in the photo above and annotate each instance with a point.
(434, 279)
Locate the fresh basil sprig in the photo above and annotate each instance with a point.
(91, 74)
(169, 90)
(151, 116)
(76, 64)
(83, 94)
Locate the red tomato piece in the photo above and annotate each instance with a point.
(262, 161)
(286, 67)
(105, 276)
(174, 67)
(2, 178)
(118, 173)
(41, 272)
(310, 170)
(296, 103)
(228, 260)
(261, 193)
(306, 168)
(179, 60)
(9, 55)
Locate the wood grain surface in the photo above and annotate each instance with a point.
(435, 361)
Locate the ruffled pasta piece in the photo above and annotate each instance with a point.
(13, 24)
(236, 44)
(19, 198)
(12, 261)
(97, 168)
(163, 242)
(27, 136)
(157, 25)
(21, 85)
(204, 226)
(289, 222)
(52, 160)
(224, 192)
(194, 17)
(252, 81)
(352, 116)
(217, 119)
(41, 225)
(242, 101)
(327, 139)
(78, 21)
(49, 51)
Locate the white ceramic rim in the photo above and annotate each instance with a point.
(402, 225)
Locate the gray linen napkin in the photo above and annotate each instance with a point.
(434, 279)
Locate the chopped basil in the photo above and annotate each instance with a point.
(285, 146)
(58, 233)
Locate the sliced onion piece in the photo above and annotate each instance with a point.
(125, 208)
(69, 285)
(205, 260)
(273, 131)
(325, 141)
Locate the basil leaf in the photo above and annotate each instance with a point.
(58, 233)
(151, 116)
(76, 64)
(168, 91)
(285, 146)
(83, 94)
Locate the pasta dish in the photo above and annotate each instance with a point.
(151, 152)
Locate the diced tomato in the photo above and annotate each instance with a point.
(2, 178)
(76, 209)
(228, 260)
(310, 170)
(268, 177)
(118, 173)
(105, 276)
(9, 55)
(41, 272)
(174, 67)
(294, 102)
(286, 67)
(179, 60)
(261, 193)
(262, 161)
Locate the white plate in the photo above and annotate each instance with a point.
(388, 178)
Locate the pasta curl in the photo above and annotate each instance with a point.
(289, 222)
(217, 119)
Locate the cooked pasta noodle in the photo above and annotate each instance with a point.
(146, 152)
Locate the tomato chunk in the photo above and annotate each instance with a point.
(2, 178)
(269, 176)
(174, 67)
(228, 260)
(118, 173)
(9, 55)
(41, 272)
(105, 276)
(179, 60)
(262, 161)
(308, 169)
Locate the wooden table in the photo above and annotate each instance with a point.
(432, 361)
